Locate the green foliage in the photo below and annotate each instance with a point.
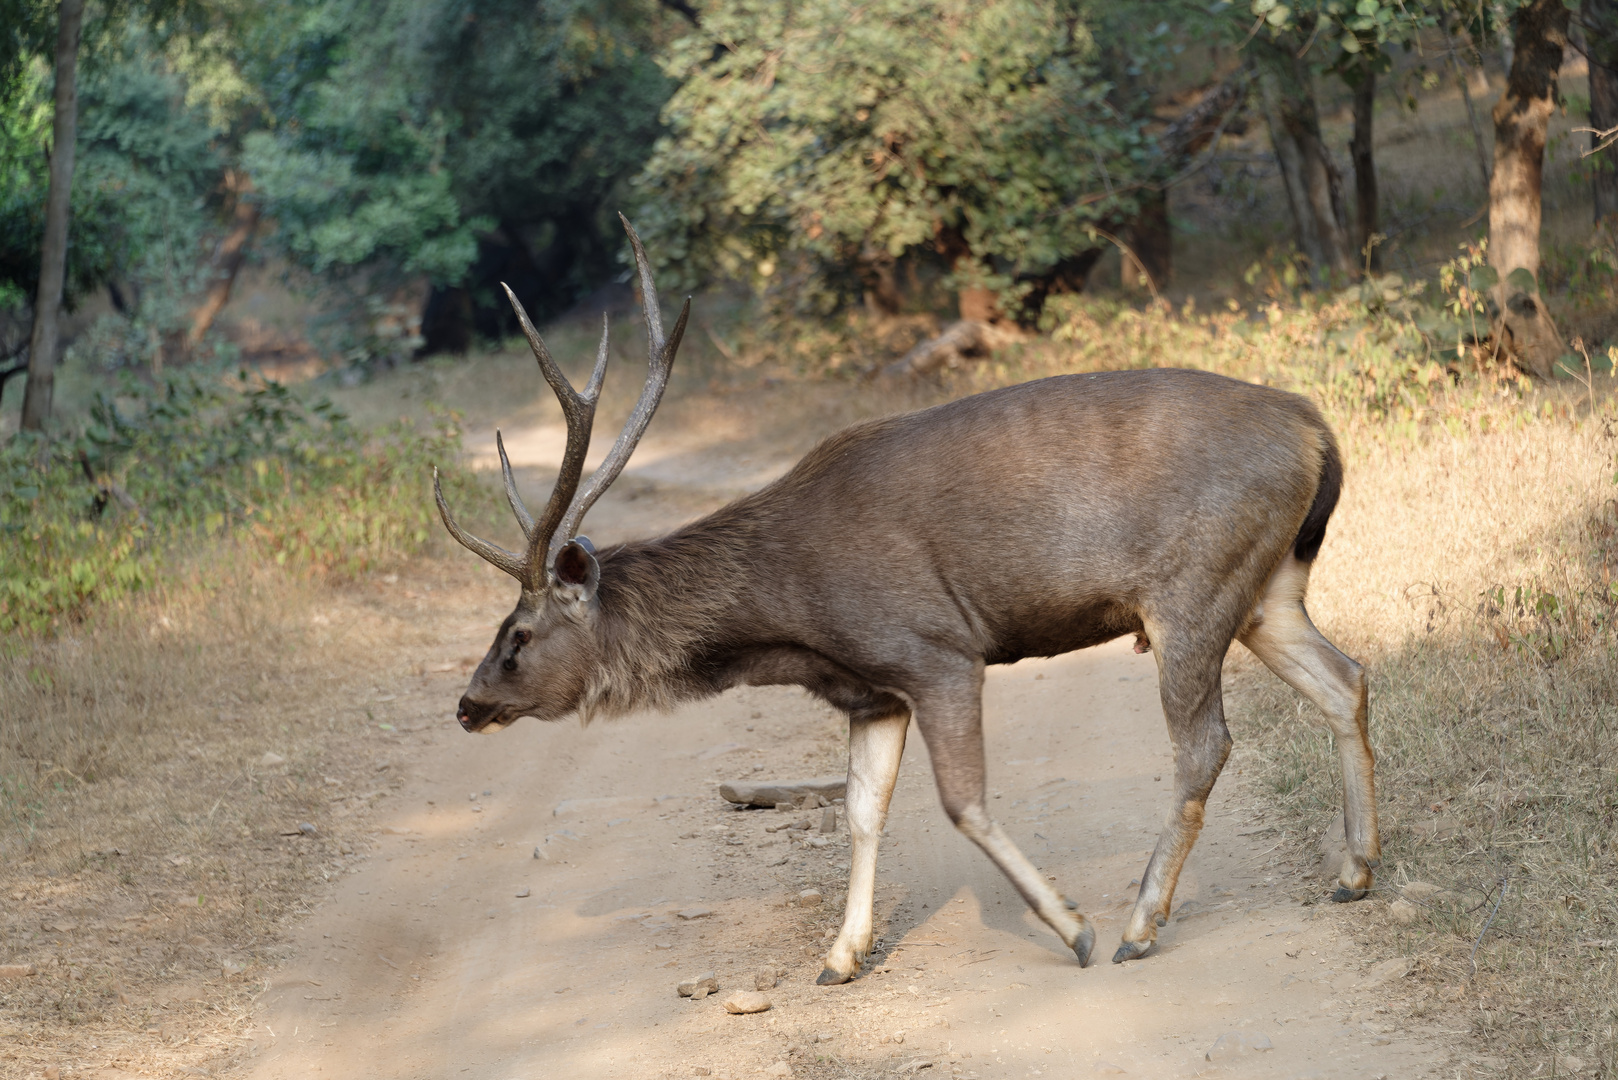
(555, 105)
(1348, 28)
(808, 139)
(406, 131)
(145, 163)
(350, 162)
(89, 518)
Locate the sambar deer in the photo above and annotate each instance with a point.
(901, 556)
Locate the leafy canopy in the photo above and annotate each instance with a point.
(810, 137)
(145, 163)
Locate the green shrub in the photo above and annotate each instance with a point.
(87, 518)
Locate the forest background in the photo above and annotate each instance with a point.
(394, 162)
(249, 253)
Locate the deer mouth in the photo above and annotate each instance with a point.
(478, 718)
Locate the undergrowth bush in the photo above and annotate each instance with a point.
(86, 517)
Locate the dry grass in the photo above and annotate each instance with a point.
(147, 873)
(1474, 576)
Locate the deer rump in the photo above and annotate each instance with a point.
(902, 555)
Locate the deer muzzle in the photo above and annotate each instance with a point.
(476, 716)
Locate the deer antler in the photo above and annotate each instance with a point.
(660, 361)
(568, 504)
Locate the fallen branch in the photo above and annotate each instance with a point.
(968, 339)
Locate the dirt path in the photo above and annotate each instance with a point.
(457, 951)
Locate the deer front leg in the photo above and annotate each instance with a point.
(874, 750)
(1196, 715)
(952, 726)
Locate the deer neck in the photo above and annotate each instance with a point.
(663, 604)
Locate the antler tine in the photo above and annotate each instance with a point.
(579, 410)
(511, 563)
(518, 507)
(648, 291)
(659, 363)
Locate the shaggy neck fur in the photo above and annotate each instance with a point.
(662, 604)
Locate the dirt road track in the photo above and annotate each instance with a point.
(457, 952)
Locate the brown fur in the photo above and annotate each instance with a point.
(902, 555)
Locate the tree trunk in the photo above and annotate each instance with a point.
(1365, 197)
(1151, 233)
(1151, 242)
(1523, 325)
(227, 259)
(876, 269)
(1599, 19)
(1305, 234)
(975, 303)
(1471, 109)
(1313, 185)
(36, 402)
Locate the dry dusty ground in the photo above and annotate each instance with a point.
(457, 951)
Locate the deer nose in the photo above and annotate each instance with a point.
(473, 714)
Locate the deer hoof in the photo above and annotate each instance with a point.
(1131, 950)
(1086, 944)
(1345, 895)
(830, 977)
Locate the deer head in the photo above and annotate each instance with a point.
(544, 651)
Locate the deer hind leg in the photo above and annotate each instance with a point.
(1194, 708)
(952, 726)
(1282, 635)
(874, 749)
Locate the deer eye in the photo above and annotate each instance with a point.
(522, 637)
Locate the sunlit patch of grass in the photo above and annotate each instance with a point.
(1473, 574)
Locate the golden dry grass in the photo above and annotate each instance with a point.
(1474, 576)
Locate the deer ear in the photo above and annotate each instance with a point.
(577, 571)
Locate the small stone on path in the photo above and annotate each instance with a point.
(764, 980)
(700, 986)
(809, 898)
(524, 893)
(271, 758)
(1235, 1044)
(695, 913)
(746, 1001)
(16, 971)
(1403, 912)
(780, 1068)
